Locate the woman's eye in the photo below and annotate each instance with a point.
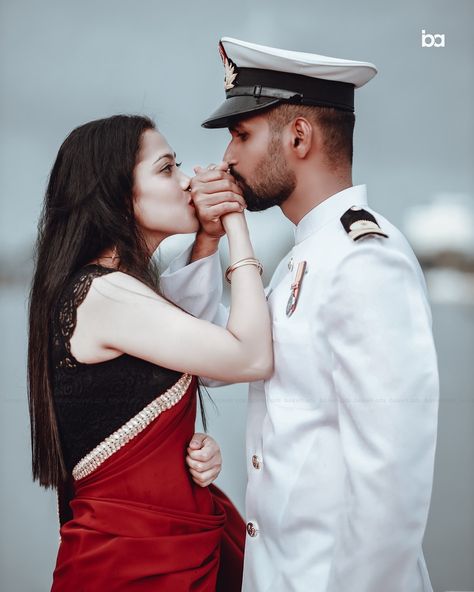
(169, 167)
(243, 136)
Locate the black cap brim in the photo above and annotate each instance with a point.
(238, 107)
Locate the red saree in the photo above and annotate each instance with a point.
(140, 524)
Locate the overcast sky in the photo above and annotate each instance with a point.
(63, 63)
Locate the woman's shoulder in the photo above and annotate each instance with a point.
(115, 285)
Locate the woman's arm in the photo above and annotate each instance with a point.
(121, 314)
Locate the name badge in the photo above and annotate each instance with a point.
(295, 289)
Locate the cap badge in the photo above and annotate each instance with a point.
(230, 75)
(229, 69)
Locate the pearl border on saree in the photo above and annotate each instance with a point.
(89, 463)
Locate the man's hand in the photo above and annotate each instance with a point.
(204, 459)
(215, 193)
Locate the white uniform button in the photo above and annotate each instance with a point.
(290, 264)
(252, 529)
(256, 462)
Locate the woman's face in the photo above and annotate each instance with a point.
(161, 200)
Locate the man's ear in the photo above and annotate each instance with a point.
(301, 136)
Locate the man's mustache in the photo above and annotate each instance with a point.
(234, 173)
(240, 180)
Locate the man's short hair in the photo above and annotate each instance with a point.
(337, 128)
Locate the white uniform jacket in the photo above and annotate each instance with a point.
(341, 439)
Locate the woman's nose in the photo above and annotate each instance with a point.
(184, 181)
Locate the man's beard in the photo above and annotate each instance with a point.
(275, 182)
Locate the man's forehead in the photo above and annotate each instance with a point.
(248, 122)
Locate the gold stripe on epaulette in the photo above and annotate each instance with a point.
(361, 228)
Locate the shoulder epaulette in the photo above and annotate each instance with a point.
(359, 223)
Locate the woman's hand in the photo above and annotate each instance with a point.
(204, 459)
(215, 193)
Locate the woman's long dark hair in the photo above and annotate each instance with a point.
(88, 207)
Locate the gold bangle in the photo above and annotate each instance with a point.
(241, 263)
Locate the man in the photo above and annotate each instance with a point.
(341, 439)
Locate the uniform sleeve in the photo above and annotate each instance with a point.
(196, 287)
(386, 382)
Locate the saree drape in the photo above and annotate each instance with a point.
(138, 523)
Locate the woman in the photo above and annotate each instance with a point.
(113, 366)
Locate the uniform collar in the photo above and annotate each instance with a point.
(330, 208)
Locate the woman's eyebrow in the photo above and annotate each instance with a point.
(167, 155)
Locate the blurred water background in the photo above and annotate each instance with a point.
(64, 63)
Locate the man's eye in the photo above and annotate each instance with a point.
(242, 136)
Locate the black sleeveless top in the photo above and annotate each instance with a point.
(93, 400)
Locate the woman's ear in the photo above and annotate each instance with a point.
(302, 136)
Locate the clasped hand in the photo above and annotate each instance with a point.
(215, 193)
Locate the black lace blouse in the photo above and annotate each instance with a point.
(94, 400)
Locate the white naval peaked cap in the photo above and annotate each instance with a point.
(258, 77)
